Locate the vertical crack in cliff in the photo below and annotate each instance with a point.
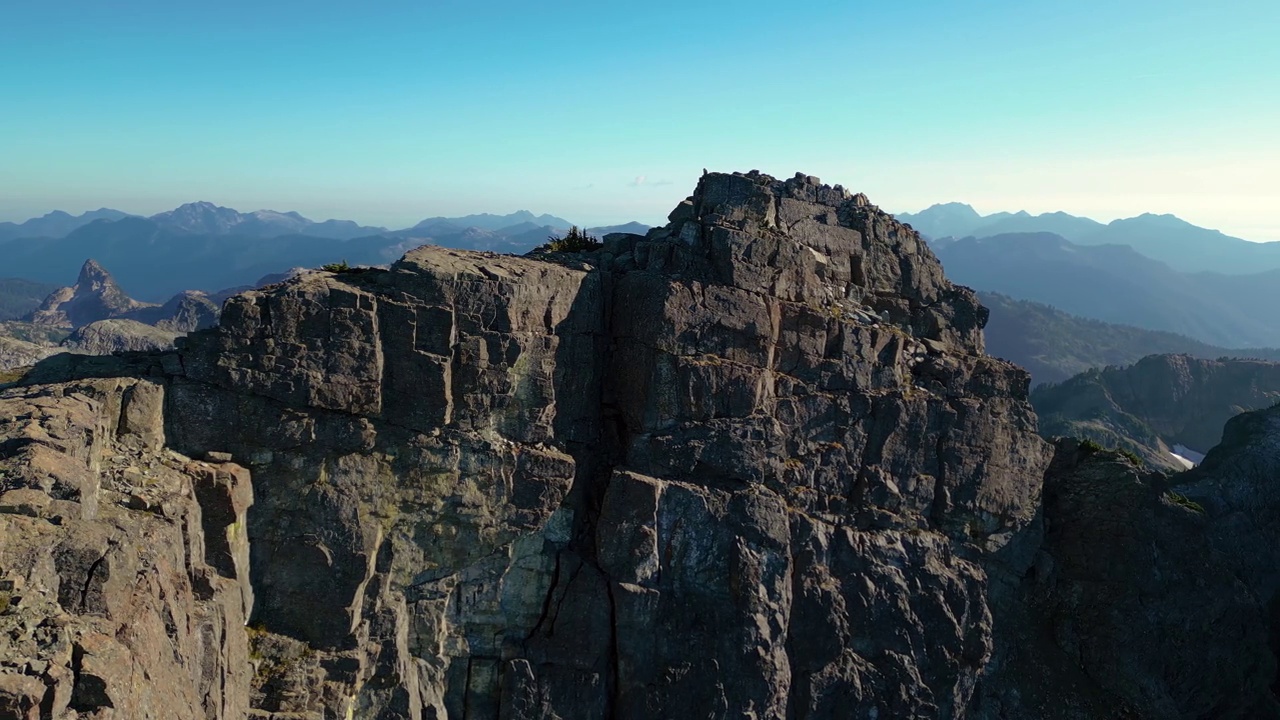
(547, 601)
(466, 690)
(614, 681)
(88, 581)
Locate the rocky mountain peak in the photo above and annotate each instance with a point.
(94, 277)
(751, 462)
(95, 296)
(200, 217)
(690, 448)
(803, 241)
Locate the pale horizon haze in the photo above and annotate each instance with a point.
(604, 115)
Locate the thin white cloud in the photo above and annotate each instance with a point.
(644, 181)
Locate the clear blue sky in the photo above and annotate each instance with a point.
(387, 112)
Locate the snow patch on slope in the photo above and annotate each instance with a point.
(1185, 455)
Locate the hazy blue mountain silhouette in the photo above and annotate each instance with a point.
(19, 296)
(1117, 284)
(205, 218)
(152, 263)
(55, 224)
(944, 220)
(486, 221)
(201, 246)
(1171, 240)
(207, 247)
(633, 227)
(1188, 247)
(1055, 345)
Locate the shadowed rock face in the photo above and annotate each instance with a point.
(1150, 596)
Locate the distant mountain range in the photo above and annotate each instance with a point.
(206, 218)
(486, 221)
(633, 228)
(55, 224)
(1118, 285)
(206, 247)
(1054, 345)
(1179, 244)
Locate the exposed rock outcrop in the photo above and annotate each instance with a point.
(185, 312)
(753, 464)
(20, 353)
(1150, 597)
(115, 597)
(700, 470)
(105, 337)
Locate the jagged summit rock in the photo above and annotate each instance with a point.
(687, 449)
(93, 277)
(95, 296)
(95, 316)
(803, 241)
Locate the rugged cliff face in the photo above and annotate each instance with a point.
(123, 566)
(755, 459)
(1161, 405)
(753, 463)
(1151, 596)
